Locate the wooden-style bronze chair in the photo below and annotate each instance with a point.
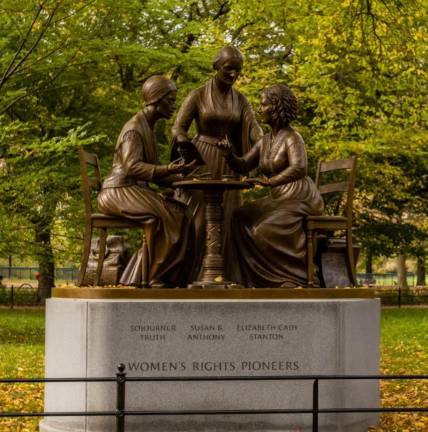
(91, 181)
(343, 190)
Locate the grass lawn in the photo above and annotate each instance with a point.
(404, 351)
(21, 356)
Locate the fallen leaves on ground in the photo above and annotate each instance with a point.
(404, 350)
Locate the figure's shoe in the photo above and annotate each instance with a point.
(155, 283)
(289, 284)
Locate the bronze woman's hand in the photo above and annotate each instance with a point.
(181, 139)
(176, 168)
(260, 181)
(225, 146)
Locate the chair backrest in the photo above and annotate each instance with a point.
(339, 190)
(91, 178)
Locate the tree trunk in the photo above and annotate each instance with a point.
(45, 259)
(369, 262)
(420, 270)
(402, 272)
(369, 280)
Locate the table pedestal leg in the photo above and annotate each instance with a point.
(212, 274)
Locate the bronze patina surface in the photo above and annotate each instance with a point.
(203, 235)
(126, 191)
(213, 272)
(214, 294)
(218, 111)
(268, 241)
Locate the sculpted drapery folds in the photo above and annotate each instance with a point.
(264, 241)
(219, 111)
(126, 191)
(267, 237)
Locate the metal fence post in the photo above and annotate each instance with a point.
(315, 407)
(120, 402)
(12, 300)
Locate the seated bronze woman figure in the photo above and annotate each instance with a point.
(126, 191)
(267, 236)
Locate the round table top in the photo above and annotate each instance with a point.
(213, 184)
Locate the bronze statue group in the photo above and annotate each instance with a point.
(264, 242)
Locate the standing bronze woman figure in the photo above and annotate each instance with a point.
(219, 111)
(126, 190)
(268, 239)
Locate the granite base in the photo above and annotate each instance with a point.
(89, 338)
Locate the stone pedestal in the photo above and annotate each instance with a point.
(234, 337)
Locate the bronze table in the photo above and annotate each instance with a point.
(212, 275)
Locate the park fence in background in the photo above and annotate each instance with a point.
(19, 286)
(20, 295)
(70, 274)
(121, 413)
(29, 273)
(384, 279)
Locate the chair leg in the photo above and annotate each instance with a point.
(145, 265)
(87, 237)
(310, 257)
(350, 259)
(101, 255)
(147, 253)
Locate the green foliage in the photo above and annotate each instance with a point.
(71, 72)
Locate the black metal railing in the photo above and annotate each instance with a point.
(29, 273)
(385, 279)
(70, 274)
(121, 413)
(19, 295)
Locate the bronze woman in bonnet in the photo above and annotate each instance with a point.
(219, 111)
(126, 191)
(268, 239)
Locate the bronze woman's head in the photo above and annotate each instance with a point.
(281, 103)
(156, 87)
(160, 92)
(228, 64)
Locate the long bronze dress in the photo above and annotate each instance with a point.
(268, 239)
(126, 193)
(216, 115)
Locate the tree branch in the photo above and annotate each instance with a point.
(6, 74)
(75, 12)
(38, 60)
(37, 41)
(239, 30)
(223, 10)
(12, 69)
(41, 87)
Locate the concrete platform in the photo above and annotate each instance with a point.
(212, 337)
